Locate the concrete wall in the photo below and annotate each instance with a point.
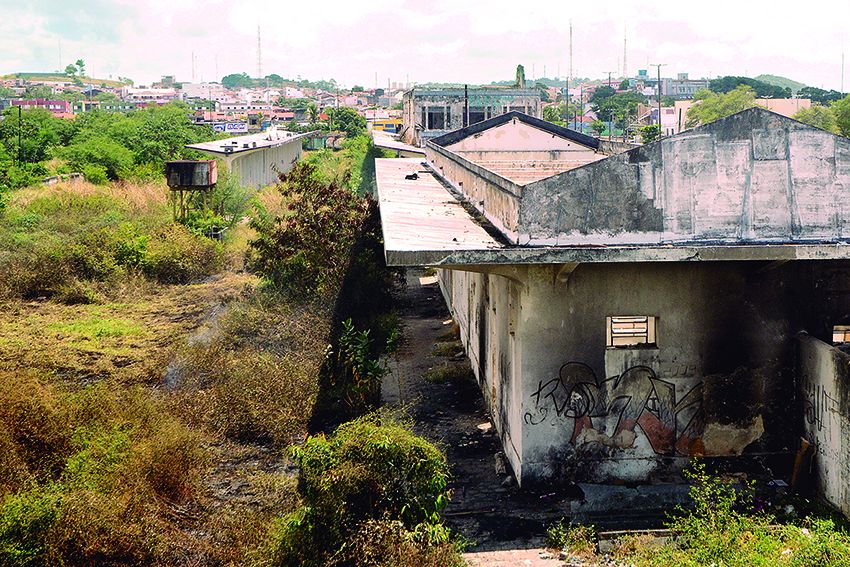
(486, 307)
(495, 196)
(754, 176)
(256, 168)
(824, 373)
(719, 382)
(496, 101)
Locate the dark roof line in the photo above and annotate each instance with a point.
(458, 135)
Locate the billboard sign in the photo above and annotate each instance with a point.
(231, 127)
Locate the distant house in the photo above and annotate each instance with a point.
(625, 313)
(56, 107)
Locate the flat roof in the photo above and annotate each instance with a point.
(420, 217)
(247, 143)
(424, 224)
(386, 141)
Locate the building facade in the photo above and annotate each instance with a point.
(428, 113)
(625, 313)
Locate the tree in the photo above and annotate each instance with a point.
(841, 109)
(115, 159)
(624, 85)
(347, 120)
(38, 91)
(81, 65)
(617, 106)
(559, 113)
(818, 116)
(761, 89)
(237, 80)
(39, 130)
(357, 89)
(71, 70)
(600, 94)
(313, 112)
(520, 77)
(598, 126)
(819, 96)
(710, 106)
(649, 133)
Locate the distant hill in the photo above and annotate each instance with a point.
(781, 82)
(60, 77)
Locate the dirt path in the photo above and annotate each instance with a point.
(507, 525)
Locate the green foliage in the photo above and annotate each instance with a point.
(25, 519)
(841, 109)
(38, 91)
(819, 96)
(760, 88)
(649, 133)
(818, 116)
(60, 238)
(559, 113)
(783, 82)
(98, 463)
(519, 82)
(346, 120)
(624, 85)
(106, 154)
(370, 469)
(713, 106)
(358, 369)
(598, 126)
(305, 251)
(237, 80)
(617, 107)
(575, 537)
(39, 133)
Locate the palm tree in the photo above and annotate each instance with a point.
(313, 112)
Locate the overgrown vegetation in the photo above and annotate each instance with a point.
(76, 242)
(369, 491)
(90, 476)
(101, 145)
(726, 524)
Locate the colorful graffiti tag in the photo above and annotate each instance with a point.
(612, 408)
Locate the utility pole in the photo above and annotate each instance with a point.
(609, 78)
(658, 66)
(20, 130)
(625, 55)
(259, 55)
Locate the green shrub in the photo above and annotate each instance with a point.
(577, 538)
(307, 251)
(94, 173)
(175, 255)
(25, 522)
(373, 468)
(100, 151)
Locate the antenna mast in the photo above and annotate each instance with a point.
(259, 55)
(570, 78)
(625, 55)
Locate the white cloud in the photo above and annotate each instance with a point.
(473, 41)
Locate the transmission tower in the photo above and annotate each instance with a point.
(259, 55)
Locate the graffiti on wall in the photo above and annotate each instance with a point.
(608, 411)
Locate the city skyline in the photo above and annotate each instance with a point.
(410, 42)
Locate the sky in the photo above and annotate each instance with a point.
(474, 41)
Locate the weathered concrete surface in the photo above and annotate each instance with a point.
(419, 214)
(256, 159)
(386, 141)
(719, 382)
(824, 373)
(453, 103)
(752, 177)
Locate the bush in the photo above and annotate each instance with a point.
(175, 255)
(94, 173)
(100, 151)
(575, 537)
(371, 469)
(306, 251)
(101, 466)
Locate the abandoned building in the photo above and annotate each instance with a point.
(623, 313)
(428, 113)
(256, 159)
